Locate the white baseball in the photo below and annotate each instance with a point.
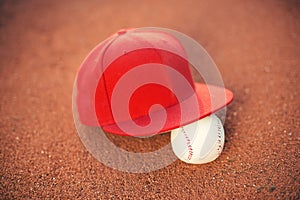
(199, 142)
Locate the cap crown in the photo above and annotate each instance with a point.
(130, 50)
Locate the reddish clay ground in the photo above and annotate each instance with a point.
(256, 47)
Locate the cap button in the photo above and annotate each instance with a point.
(122, 31)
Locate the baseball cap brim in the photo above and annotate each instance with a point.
(210, 99)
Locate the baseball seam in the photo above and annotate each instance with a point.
(220, 146)
(188, 143)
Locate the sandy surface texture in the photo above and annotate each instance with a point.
(256, 47)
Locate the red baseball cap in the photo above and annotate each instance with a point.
(138, 82)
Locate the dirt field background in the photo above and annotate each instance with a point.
(255, 45)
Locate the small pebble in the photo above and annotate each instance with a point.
(272, 188)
